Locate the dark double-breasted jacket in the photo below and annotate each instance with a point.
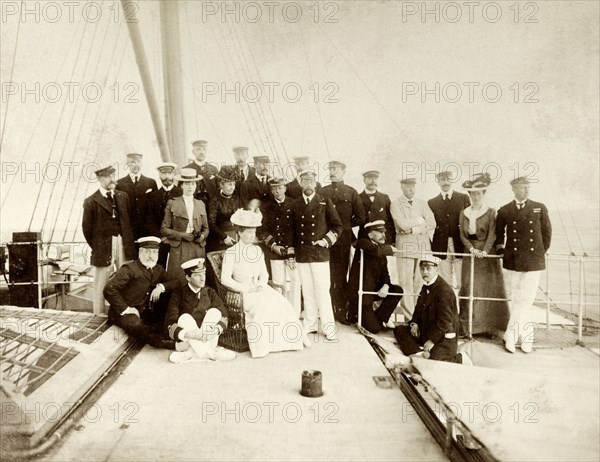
(207, 186)
(349, 208)
(436, 314)
(524, 235)
(447, 215)
(276, 226)
(185, 300)
(378, 209)
(314, 221)
(155, 212)
(99, 225)
(138, 201)
(131, 285)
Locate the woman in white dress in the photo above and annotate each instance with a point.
(270, 320)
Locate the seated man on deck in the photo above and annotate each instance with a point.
(376, 278)
(196, 317)
(133, 292)
(435, 324)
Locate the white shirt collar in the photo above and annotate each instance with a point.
(188, 198)
(133, 176)
(449, 194)
(194, 289)
(199, 164)
(103, 191)
(431, 282)
(169, 188)
(521, 202)
(310, 198)
(279, 202)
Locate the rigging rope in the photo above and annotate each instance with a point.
(62, 112)
(83, 119)
(12, 70)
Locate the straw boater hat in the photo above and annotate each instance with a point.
(427, 258)
(187, 174)
(246, 218)
(480, 182)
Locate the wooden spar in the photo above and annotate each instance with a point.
(142, 62)
(175, 122)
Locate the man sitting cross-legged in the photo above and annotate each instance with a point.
(196, 317)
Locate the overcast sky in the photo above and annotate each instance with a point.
(510, 86)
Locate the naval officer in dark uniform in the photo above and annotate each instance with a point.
(317, 226)
(206, 187)
(133, 292)
(157, 201)
(376, 278)
(242, 170)
(523, 235)
(293, 189)
(137, 187)
(435, 324)
(446, 208)
(256, 186)
(352, 213)
(377, 206)
(278, 236)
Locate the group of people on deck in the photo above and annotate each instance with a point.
(298, 235)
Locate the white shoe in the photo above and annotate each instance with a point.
(178, 357)
(526, 347)
(389, 325)
(220, 354)
(510, 346)
(305, 341)
(465, 359)
(182, 346)
(331, 338)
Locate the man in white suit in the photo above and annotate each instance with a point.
(415, 224)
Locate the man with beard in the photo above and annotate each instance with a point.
(293, 188)
(317, 225)
(351, 212)
(376, 278)
(134, 290)
(157, 201)
(206, 187)
(243, 171)
(377, 206)
(107, 231)
(256, 186)
(137, 187)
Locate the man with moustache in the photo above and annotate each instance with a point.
(157, 201)
(446, 208)
(350, 210)
(523, 236)
(256, 186)
(278, 237)
(206, 187)
(414, 222)
(242, 170)
(376, 278)
(107, 231)
(134, 289)
(317, 225)
(293, 188)
(435, 324)
(377, 206)
(137, 187)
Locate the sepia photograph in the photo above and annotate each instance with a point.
(312, 230)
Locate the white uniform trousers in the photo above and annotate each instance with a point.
(451, 267)
(279, 274)
(315, 280)
(102, 273)
(521, 288)
(209, 325)
(409, 278)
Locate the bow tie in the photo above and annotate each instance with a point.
(370, 194)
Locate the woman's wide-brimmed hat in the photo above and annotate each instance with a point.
(187, 174)
(227, 173)
(246, 218)
(480, 182)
